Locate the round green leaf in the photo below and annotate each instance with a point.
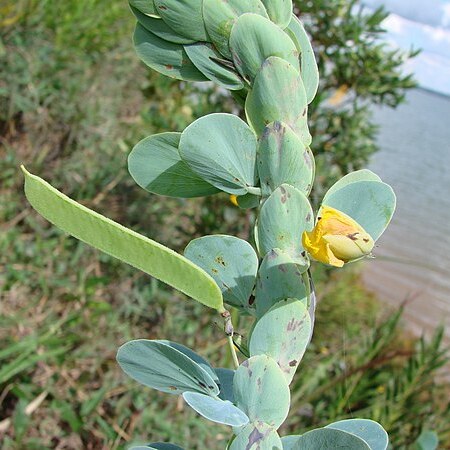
(230, 261)
(370, 203)
(156, 165)
(215, 409)
(257, 436)
(253, 39)
(184, 16)
(283, 218)
(145, 6)
(279, 11)
(211, 64)
(327, 438)
(220, 15)
(279, 277)
(371, 432)
(278, 94)
(160, 366)
(221, 149)
(283, 334)
(165, 57)
(157, 26)
(282, 158)
(261, 390)
(225, 383)
(308, 65)
(352, 177)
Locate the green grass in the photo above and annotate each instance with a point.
(73, 101)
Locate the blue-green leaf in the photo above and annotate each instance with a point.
(215, 409)
(160, 366)
(225, 383)
(158, 27)
(156, 165)
(371, 432)
(279, 277)
(253, 39)
(165, 57)
(145, 6)
(328, 438)
(257, 436)
(122, 243)
(221, 149)
(283, 218)
(352, 177)
(157, 446)
(261, 390)
(220, 15)
(279, 11)
(184, 16)
(370, 203)
(283, 334)
(278, 94)
(308, 65)
(282, 158)
(195, 357)
(230, 261)
(211, 64)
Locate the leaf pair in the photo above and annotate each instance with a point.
(175, 369)
(352, 434)
(215, 153)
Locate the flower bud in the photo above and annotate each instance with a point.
(337, 239)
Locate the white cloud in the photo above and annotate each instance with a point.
(431, 12)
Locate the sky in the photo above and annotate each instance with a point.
(422, 25)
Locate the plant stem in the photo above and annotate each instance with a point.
(233, 351)
(229, 331)
(306, 282)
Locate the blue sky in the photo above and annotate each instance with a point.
(425, 25)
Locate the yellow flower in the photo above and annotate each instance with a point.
(337, 238)
(233, 199)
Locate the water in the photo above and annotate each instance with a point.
(414, 252)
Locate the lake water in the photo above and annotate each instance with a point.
(414, 254)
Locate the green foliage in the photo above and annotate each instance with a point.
(156, 165)
(288, 213)
(370, 202)
(368, 430)
(231, 262)
(282, 158)
(253, 39)
(283, 333)
(100, 301)
(228, 161)
(256, 375)
(329, 438)
(215, 409)
(165, 367)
